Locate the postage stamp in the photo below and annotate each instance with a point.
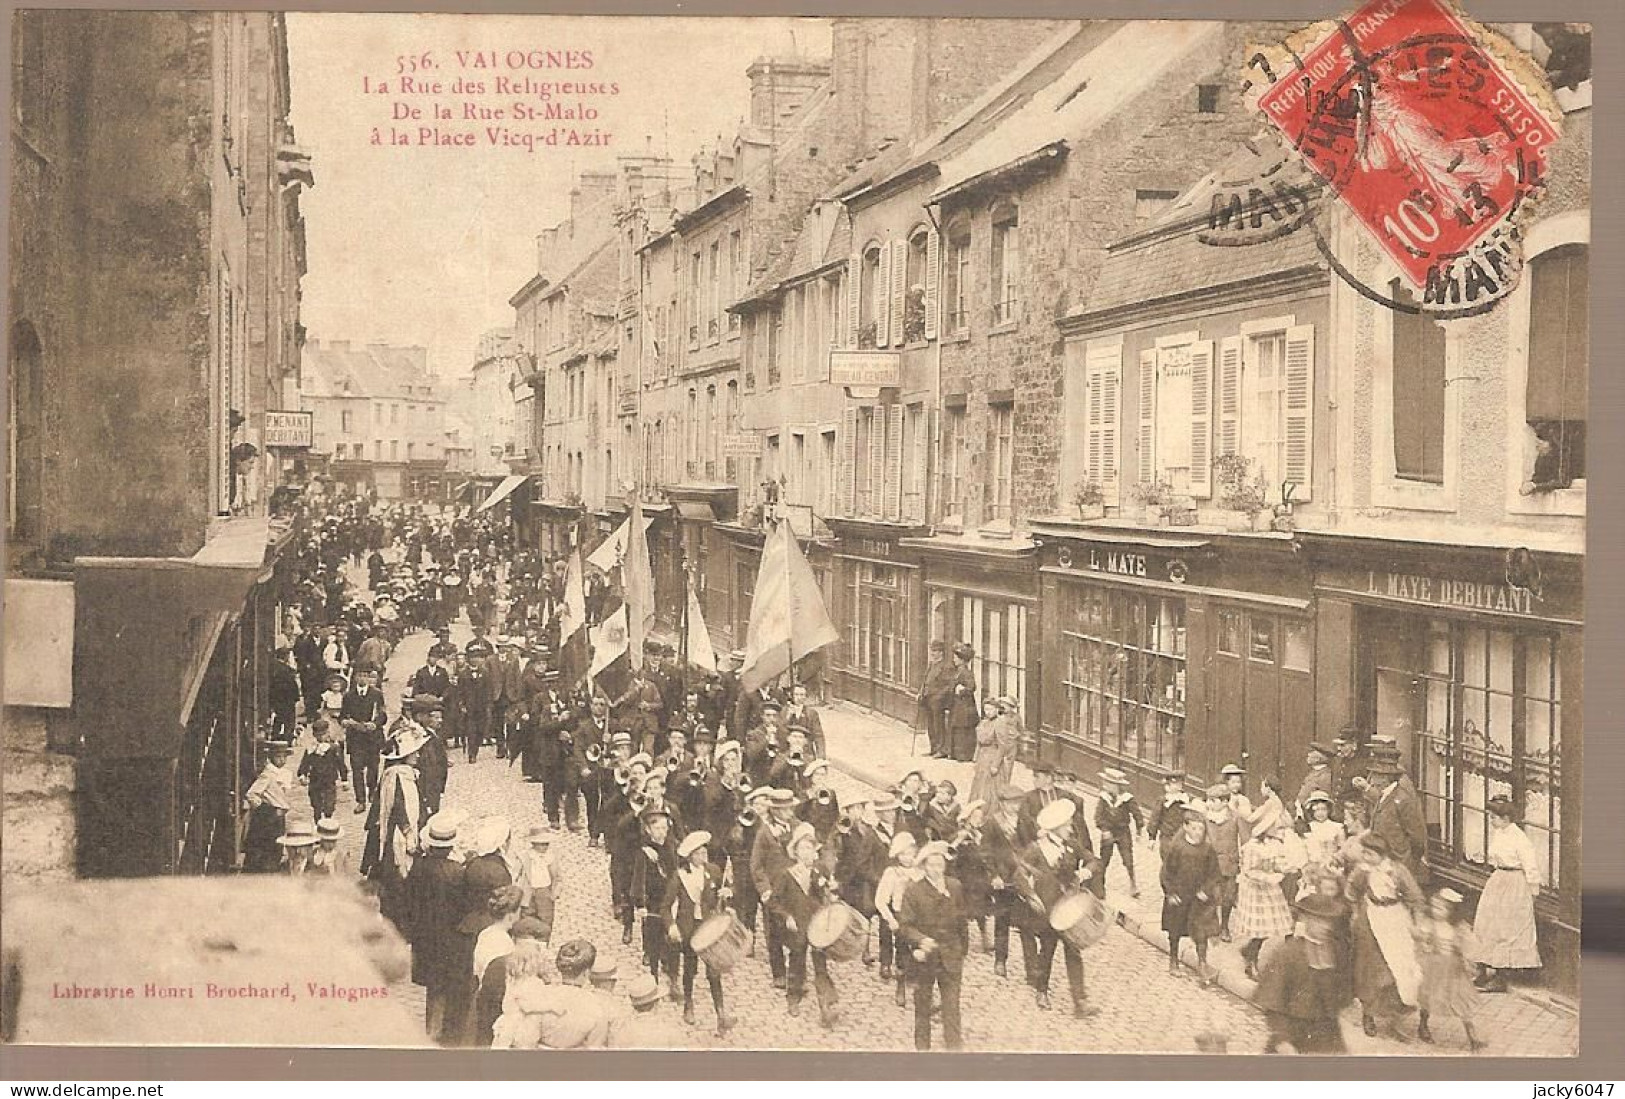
(1425, 132)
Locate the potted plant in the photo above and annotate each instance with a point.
(1153, 497)
(1091, 500)
(1241, 499)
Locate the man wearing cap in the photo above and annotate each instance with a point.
(552, 721)
(534, 685)
(819, 806)
(1349, 759)
(747, 714)
(1035, 801)
(647, 1026)
(1053, 866)
(592, 731)
(469, 701)
(507, 691)
(1318, 759)
(363, 717)
(639, 709)
(799, 713)
(1001, 853)
(436, 902)
(433, 678)
(799, 890)
(932, 921)
(694, 894)
(761, 745)
(1396, 816)
(653, 867)
(963, 711)
(936, 690)
(721, 800)
(769, 858)
(743, 834)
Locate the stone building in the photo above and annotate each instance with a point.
(156, 253)
(378, 419)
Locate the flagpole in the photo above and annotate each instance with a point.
(682, 641)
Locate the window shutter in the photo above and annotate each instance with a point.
(854, 309)
(1148, 411)
(1202, 419)
(1095, 461)
(1111, 410)
(1229, 395)
(876, 458)
(921, 459)
(893, 492)
(1299, 407)
(933, 260)
(899, 292)
(882, 302)
(849, 468)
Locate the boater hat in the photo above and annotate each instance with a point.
(298, 835)
(1056, 814)
(693, 842)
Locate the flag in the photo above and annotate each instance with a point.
(607, 557)
(574, 643)
(609, 641)
(787, 616)
(698, 638)
(637, 584)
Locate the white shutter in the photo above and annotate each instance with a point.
(1095, 462)
(1299, 407)
(849, 468)
(899, 296)
(881, 305)
(893, 491)
(1202, 419)
(1147, 466)
(922, 461)
(1111, 433)
(933, 260)
(876, 458)
(854, 286)
(1229, 396)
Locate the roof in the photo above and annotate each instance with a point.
(1097, 84)
(580, 268)
(1168, 257)
(368, 370)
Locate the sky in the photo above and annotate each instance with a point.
(424, 245)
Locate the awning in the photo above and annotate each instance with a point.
(503, 491)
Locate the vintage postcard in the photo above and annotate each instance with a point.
(863, 534)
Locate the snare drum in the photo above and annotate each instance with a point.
(1081, 919)
(839, 931)
(720, 941)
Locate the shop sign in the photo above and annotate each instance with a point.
(1456, 594)
(289, 430)
(741, 444)
(1123, 562)
(865, 368)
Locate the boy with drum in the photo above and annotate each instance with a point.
(799, 891)
(932, 921)
(694, 896)
(1054, 867)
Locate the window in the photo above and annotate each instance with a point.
(410, 446)
(957, 280)
(1264, 404)
(1261, 640)
(871, 303)
(1556, 392)
(953, 463)
(394, 414)
(346, 421)
(737, 272)
(915, 456)
(1002, 451)
(997, 630)
(714, 321)
(1229, 633)
(834, 320)
(878, 621)
(795, 308)
(862, 468)
(377, 450)
(1419, 392)
(796, 490)
(1478, 713)
(826, 473)
(694, 307)
(1006, 265)
(394, 450)
(775, 346)
(914, 279)
(25, 410)
(1124, 672)
(1148, 204)
(1207, 99)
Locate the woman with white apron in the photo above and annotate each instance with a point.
(1504, 925)
(1387, 972)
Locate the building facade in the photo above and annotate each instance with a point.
(378, 418)
(156, 253)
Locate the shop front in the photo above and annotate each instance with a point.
(879, 606)
(556, 524)
(984, 592)
(1471, 660)
(1164, 652)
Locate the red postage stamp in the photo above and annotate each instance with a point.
(1426, 135)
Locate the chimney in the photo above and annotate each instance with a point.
(781, 86)
(591, 188)
(546, 242)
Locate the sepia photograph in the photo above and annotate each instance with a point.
(846, 534)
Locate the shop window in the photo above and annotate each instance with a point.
(1297, 646)
(1229, 641)
(878, 622)
(997, 631)
(1124, 673)
(1261, 640)
(1559, 359)
(1478, 713)
(1006, 265)
(1419, 392)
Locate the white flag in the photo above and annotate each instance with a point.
(607, 557)
(609, 640)
(787, 616)
(700, 652)
(573, 614)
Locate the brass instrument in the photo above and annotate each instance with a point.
(747, 819)
(696, 773)
(843, 824)
(909, 803)
(798, 759)
(824, 797)
(638, 802)
(594, 753)
(622, 777)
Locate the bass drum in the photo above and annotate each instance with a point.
(1081, 919)
(720, 941)
(839, 931)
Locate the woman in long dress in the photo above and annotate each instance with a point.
(1504, 926)
(992, 751)
(1387, 973)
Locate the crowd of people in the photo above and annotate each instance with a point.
(727, 846)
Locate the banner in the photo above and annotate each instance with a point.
(787, 616)
(609, 641)
(701, 653)
(573, 639)
(607, 557)
(638, 585)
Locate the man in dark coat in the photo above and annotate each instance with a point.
(284, 697)
(1396, 816)
(639, 712)
(592, 731)
(932, 921)
(799, 890)
(524, 743)
(1301, 987)
(435, 900)
(507, 692)
(935, 693)
(1052, 866)
(363, 718)
(552, 720)
(434, 766)
(769, 857)
(963, 712)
